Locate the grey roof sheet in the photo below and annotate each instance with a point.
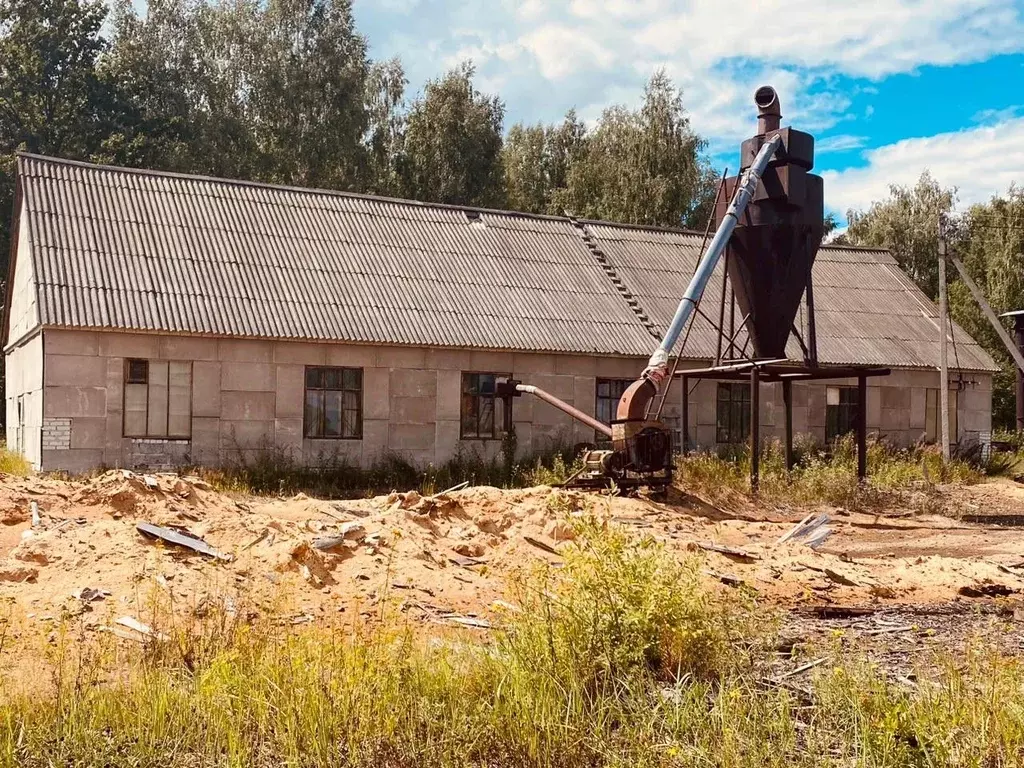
(150, 251)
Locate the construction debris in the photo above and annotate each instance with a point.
(732, 552)
(180, 539)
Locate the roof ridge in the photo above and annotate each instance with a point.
(374, 198)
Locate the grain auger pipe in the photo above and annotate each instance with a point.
(641, 451)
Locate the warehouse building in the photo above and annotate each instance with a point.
(158, 319)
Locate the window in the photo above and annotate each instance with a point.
(608, 393)
(733, 413)
(334, 403)
(841, 408)
(157, 399)
(481, 412)
(932, 418)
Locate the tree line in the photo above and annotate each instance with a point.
(285, 91)
(987, 237)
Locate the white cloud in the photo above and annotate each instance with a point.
(842, 142)
(979, 162)
(561, 50)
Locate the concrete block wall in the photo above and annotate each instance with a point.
(896, 407)
(248, 398)
(24, 383)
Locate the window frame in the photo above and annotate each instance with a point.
(612, 399)
(498, 426)
(743, 401)
(848, 410)
(127, 381)
(360, 409)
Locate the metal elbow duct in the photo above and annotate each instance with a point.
(769, 110)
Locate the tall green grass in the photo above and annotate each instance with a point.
(827, 475)
(272, 471)
(620, 658)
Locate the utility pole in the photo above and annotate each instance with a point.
(943, 355)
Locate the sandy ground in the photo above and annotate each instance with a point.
(446, 559)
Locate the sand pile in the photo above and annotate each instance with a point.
(99, 549)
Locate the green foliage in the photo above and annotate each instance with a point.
(619, 659)
(270, 470)
(908, 225)
(451, 151)
(826, 476)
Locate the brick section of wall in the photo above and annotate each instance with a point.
(56, 434)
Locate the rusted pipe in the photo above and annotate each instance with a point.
(769, 110)
(563, 406)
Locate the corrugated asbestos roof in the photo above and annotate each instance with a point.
(139, 250)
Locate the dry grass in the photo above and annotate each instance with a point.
(618, 659)
(12, 463)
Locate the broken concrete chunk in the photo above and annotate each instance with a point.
(353, 531)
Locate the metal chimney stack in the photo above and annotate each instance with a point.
(773, 247)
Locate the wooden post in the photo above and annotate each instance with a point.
(862, 427)
(755, 429)
(787, 401)
(686, 414)
(943, 353)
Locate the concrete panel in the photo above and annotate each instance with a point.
(333, 453)
(89, 432)
(248, 406)
(522, 408)
(352, 355)
(300, 353)
(75, 370)
(619, 368)
(247, 377)
(413, 383)
(446, 440)
(288, 437)
(376, 393)
(449, 394)
(562, 387)
(114, 344)
(448, 359)
(206, 441)
(245, 351)
(289, 391)
(411, 437)
(918, 404)
(490, 362)
(114, 384)
(576, 365)
(206, 389)
(188, 348)
(524, 441)
(816, 408)
(236, 436)
(375, 439)
(874, 414)
(413, 410)
(59, 342)
(74, 401)
(526, 363)
(75, 461)
(401, 357)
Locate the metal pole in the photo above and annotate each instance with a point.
(755, 430)
(686, 414)
(658, 364)
(563, 406)
(943, 354)
(787, 402)
(862, 427)
(1018, 327)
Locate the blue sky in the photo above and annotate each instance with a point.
(888, 87)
